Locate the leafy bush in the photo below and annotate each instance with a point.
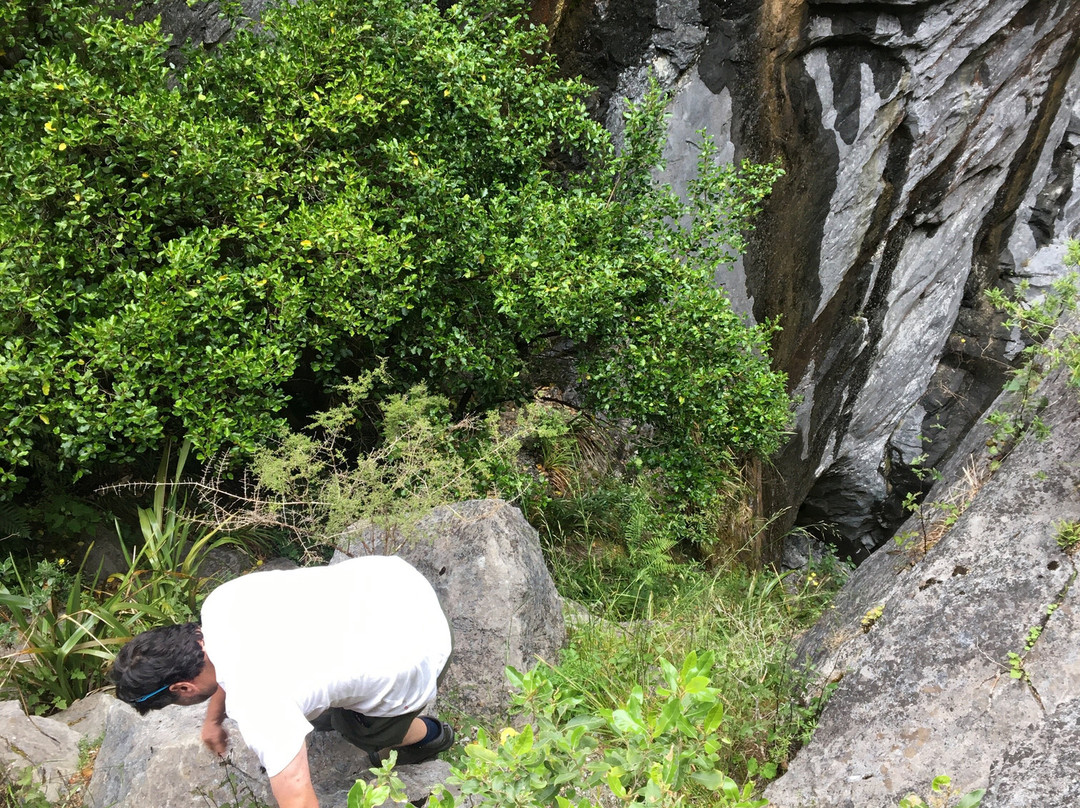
(189, 253)
(661, 751)
(746, 620)
(21, 790)
(316, 484)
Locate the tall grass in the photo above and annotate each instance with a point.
(747, 620)
(64, 632)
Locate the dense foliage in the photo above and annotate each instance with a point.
(190, 253)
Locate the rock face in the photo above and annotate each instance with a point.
(930, 151)
(47, 745)
(485, 562)
(158, 761)
(964, 661)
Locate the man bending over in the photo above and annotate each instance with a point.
(361, 643)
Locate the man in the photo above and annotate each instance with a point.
(361, 643)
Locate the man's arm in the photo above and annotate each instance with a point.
(292, 785)
(213, 734)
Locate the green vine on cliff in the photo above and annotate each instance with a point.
(1045, 323)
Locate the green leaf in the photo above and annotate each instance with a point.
(972, 799)
(714, 719)
(626, 724)
(713, 780)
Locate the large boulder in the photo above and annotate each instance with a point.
(957, 650)
(158, 761)
(484, 561)
(87, 715)
(1039, 767)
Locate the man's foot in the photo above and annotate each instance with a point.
(423, 752)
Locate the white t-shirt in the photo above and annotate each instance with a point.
(367, 634)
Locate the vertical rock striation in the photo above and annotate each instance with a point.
(930, 151)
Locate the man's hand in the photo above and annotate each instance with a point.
(213, 734)
(215, 737)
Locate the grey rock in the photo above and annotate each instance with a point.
(48, 746)
(1039, 768)
(484, 561)
(924, 689)
(87, 716)
(277, 564)
(197, 24)
(158, 761)
(222, 564)
(802, 551)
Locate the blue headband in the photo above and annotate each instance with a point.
(151, 695)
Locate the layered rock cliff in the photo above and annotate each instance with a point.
(954, 650)
(930, 151)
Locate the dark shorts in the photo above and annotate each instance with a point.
(371, 733)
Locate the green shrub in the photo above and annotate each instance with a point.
(1067, 535)
(62, 634)
(1046, 323)
(664, 750)
(317, 483)
(189, 253)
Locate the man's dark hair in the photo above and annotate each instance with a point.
(155, 660)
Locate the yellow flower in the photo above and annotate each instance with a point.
(506, 734)
(50, 126)
(305, 243)
(61, 146)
